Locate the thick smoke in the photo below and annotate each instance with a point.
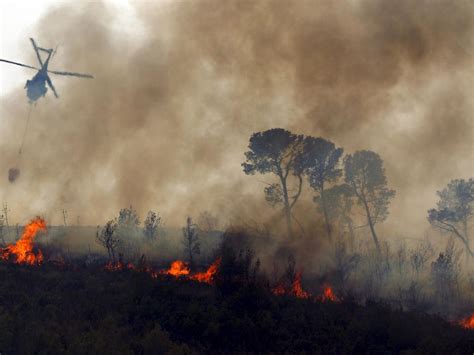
(166, 120)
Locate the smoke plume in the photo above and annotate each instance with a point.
(178, 92)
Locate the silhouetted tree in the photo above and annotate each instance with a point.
(277, 151)
(6, 210)
(2, 227)
(128, 217)
(455, 210)
(321, 160)
(365, 174)
(151, 225)
(108, 239)
(128, 229)
(191, 241)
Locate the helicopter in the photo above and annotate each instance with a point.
(36, 87)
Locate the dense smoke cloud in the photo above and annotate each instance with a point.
(166, 121)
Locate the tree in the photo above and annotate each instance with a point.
(128, 217)
(321, 161)
(151, 225)
(108, 239)
(277, 151)
(455, 210)
(128, 230)
(191, 241)
(365, 174)
(5, 213)
(2, 226)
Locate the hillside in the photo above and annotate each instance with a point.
(88, 310)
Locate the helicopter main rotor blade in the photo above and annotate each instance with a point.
(71, 74)
(21, 65)
(50, 84)
(36, 50)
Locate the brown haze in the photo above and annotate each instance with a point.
(166, 120)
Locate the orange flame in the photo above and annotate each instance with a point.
(177, 268)
(208, 275)
(297, 289)
(23, 248)
(328, 295)
(468, 322)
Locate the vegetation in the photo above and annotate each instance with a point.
(455, 210)
(365, 174)
(286, 154)
(321, 160)
(107, 237)
(278, 151)
(192, 247)
(90, 311)
(2, 229)
(244, 290)
(151, 226)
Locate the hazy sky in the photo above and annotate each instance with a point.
(18, 21)
(181, 85)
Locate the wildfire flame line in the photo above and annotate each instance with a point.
(177, 269)
(297, 290)
(22, 250)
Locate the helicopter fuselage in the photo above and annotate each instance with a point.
(36, 87)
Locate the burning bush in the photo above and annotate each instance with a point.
(296, 288)
(177, 268)
(22, 251)
(328, 295)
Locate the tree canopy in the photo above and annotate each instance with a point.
(273, 151)
(277, 151)
(321, 163)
